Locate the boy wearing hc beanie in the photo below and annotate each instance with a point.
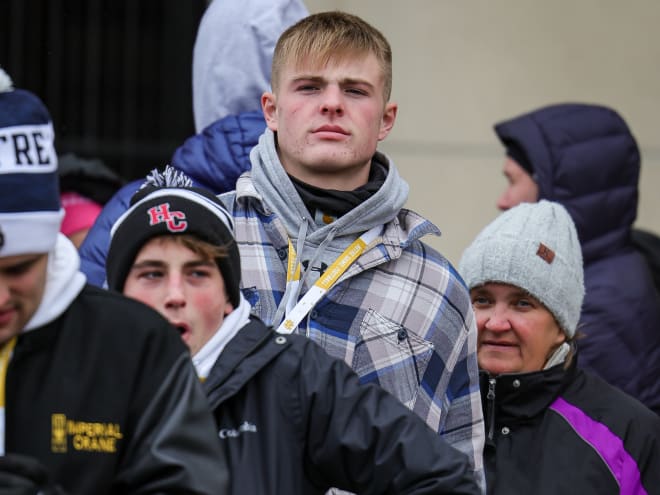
(290, 418)
(526, 281)
(97, 394)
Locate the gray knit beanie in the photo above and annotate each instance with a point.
(533, 246)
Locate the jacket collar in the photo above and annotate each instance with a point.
(398, 234)
(521, 396)
(253, 347)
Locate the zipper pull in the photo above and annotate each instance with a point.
(491, 389)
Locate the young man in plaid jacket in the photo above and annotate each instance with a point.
(327, 249)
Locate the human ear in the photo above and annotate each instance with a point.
(269, 108)
(560, 338)
(387, 121)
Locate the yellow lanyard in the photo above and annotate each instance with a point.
(325, 281)
(292, 277)
(293, 268)
(5, 356)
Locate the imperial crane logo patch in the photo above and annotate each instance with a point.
(83, 435)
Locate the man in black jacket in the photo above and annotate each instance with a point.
(97, 392)
(290, 418)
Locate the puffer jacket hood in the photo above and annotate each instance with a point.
(585, 158)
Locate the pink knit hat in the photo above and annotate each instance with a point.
(80, 212)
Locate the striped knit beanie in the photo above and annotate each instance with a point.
(168, 211)
(30, 212)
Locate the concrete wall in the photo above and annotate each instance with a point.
(462, 65)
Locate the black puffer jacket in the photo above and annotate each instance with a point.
(295, 421)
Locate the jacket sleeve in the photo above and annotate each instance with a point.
(174, 447)
(213, 159)
(463, 425)
(361, 438)
(94, 248)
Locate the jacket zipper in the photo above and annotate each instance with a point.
(491, 407)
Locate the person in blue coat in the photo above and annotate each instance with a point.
(231, 70)
(585, 158)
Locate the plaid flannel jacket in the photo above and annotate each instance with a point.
(400, 316)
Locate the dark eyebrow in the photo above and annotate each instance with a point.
(148, 264)
(348, 81)
(162, 264)
(196, 263)
(518, 292)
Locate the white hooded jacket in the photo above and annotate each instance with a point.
(233, 53)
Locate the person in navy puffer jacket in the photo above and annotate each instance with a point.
(586, 158)
(231, 70)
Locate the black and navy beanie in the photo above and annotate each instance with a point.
(30, 212)
(158, 211)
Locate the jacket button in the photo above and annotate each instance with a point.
(282, 253)
(280, 340)
(314, 314)
(402, 334)
(505, 430)
(516, 383)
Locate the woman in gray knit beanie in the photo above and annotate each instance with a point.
(544, 416)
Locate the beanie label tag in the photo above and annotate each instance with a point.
(545, 253)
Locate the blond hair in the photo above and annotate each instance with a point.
(326, 36)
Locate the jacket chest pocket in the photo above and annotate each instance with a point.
(391, 355)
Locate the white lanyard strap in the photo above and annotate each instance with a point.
(325, 282)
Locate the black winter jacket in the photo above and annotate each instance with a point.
(293, 420)
(566, 431)
(107, 399)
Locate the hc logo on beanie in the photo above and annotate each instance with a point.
(174, 220)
